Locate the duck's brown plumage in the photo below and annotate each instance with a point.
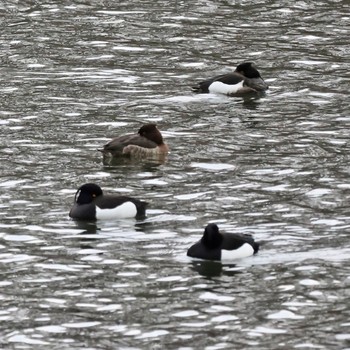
(147, 142)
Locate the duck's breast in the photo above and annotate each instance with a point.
(83, 211)
(199, 251)
(257, 84)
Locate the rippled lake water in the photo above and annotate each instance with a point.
(74, 74)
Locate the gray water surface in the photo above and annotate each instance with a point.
(75, 74)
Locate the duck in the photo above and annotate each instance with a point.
(215, 245)
(244, 79)
(91, 204)
(147, 142)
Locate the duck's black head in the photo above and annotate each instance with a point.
(151, 132)
(87, 193)
(248, 69)
(212, 238)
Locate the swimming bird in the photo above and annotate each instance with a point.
(244, 79)
(215, 245)
(147, 142)
(91, 204)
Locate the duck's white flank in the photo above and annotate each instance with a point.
(220, 88)
(242, 252)
(123, 211)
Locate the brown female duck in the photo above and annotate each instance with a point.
(147, 142)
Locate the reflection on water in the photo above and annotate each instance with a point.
(148, 163)
(87, 227)
(275, 166)
(213, 268)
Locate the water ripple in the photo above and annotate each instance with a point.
(276, 166)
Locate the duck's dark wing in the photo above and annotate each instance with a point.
(236, 240)
(116, 145)
(199, 251)
(111, 201)
(229, 79)
(83, 211)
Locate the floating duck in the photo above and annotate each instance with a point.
(244, 79)
(215, 245)
(147, 142)
(91, 204)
